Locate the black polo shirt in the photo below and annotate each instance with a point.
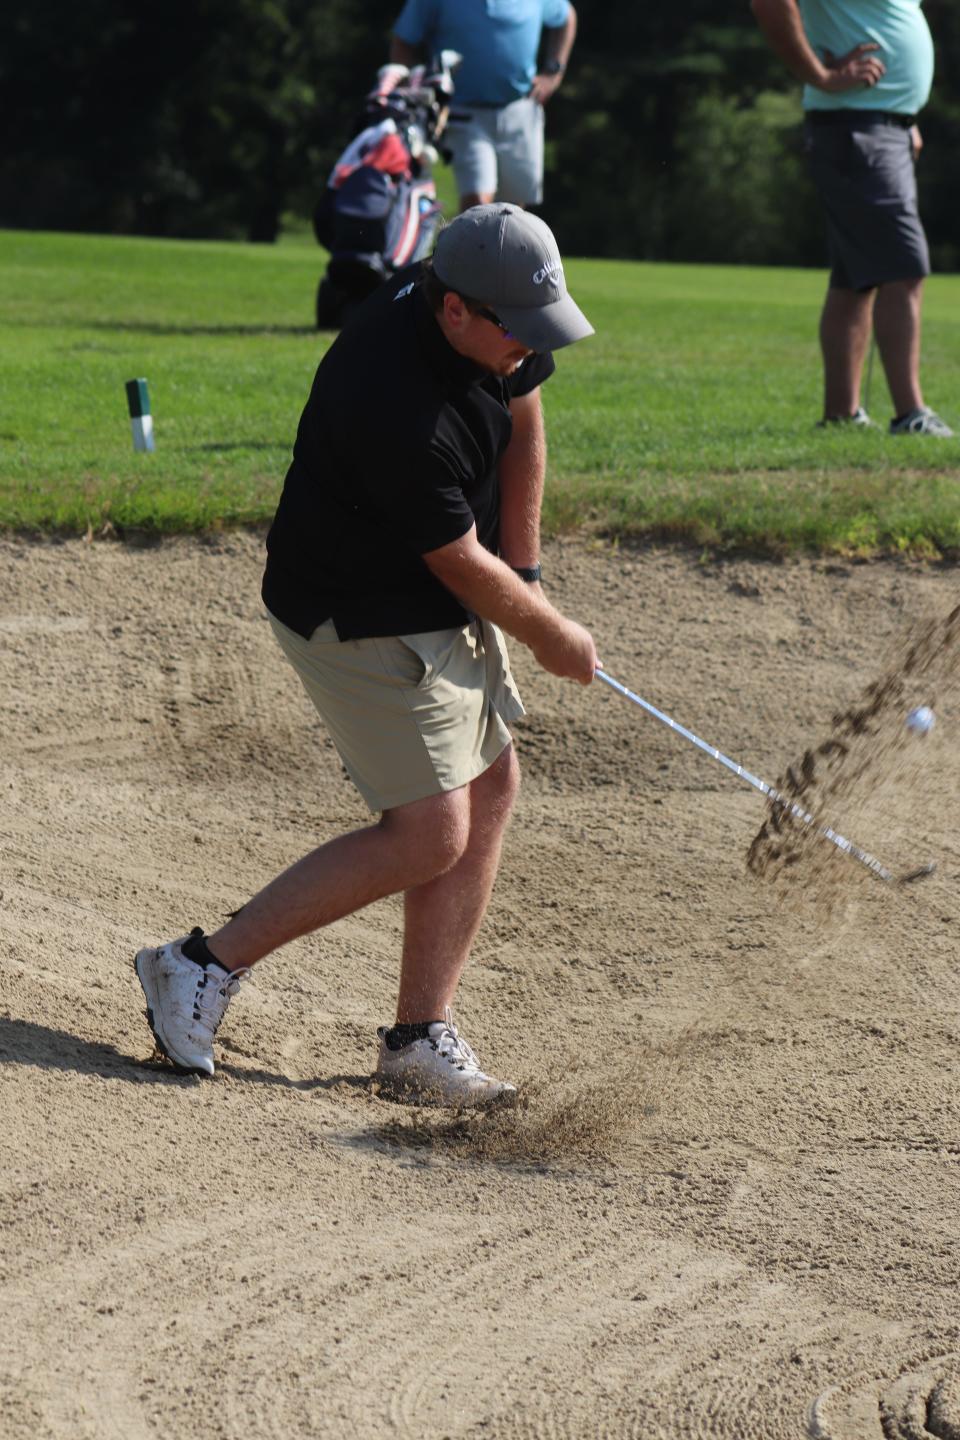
(396, 455)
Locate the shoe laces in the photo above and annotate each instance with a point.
(451, 1045)
(214, 994)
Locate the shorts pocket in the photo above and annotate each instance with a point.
(402, 663)
(433, 649)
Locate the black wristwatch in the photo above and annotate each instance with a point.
(529, 574)
(552, 67)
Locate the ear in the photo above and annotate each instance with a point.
(455, 312)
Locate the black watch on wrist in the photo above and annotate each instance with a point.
(529, 574)
(552, 67)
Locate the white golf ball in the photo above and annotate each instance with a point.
(921, 720)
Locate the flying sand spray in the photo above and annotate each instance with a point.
(921, 725)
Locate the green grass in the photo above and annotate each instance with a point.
(693, 417)
(689, 415)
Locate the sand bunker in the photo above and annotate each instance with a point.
(730, 1188)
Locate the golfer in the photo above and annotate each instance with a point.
(406, 541)
(868, 68)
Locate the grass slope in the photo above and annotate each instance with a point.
(690, 414)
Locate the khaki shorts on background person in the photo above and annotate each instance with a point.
(498, 150)
(410, 715)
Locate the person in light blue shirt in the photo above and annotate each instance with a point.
(867, 68)
(495, 132)
(904, 48)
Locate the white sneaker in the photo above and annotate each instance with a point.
(923, 421)
(185, 1003)
(859, 417)
(438, 1070)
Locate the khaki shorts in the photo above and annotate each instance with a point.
(499, 151)
(410, 715)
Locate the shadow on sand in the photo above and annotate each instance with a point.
(24, 1042)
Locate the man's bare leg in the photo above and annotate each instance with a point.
(467, 202)
(442, 917)
(410, 846)
(844, 337)
(896, 322)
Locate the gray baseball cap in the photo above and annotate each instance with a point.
(507, 259)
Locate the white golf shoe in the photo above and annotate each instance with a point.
(185, 1003)
(440, 1069)
(859, 418)
(922, 421)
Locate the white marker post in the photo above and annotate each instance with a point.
(141, 421)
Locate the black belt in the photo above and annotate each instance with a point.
(860, 117)
(472, 105)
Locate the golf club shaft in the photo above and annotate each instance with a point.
(866, 392)
(828, 833)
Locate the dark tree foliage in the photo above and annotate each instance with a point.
(199, 117)
(623, 132)
(940, 124)
(675, 135)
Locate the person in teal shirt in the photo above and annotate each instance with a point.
(867, 68)
(496, 126)
(904, 48)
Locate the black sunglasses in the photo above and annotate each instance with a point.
(477, 309)
(494, 319)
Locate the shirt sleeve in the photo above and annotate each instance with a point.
(555, 13)
(534, 370)
(417, 21)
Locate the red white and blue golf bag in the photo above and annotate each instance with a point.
(379, 210)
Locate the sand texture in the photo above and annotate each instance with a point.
(728, 1202)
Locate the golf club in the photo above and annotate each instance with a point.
(828, 833)
(866, 388)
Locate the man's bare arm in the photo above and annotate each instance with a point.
(557, 45)
(782, 28)
(488, 587)
(558, 40)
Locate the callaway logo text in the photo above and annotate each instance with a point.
(540, 275)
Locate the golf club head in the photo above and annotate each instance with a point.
(920, 873)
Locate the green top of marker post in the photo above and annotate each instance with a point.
(138, 399)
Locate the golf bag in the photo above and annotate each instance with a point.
(379, 210)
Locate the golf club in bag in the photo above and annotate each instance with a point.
(379, 209)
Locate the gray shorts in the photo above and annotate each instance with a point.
(410, 715)
(863, 169)
(499, 152)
